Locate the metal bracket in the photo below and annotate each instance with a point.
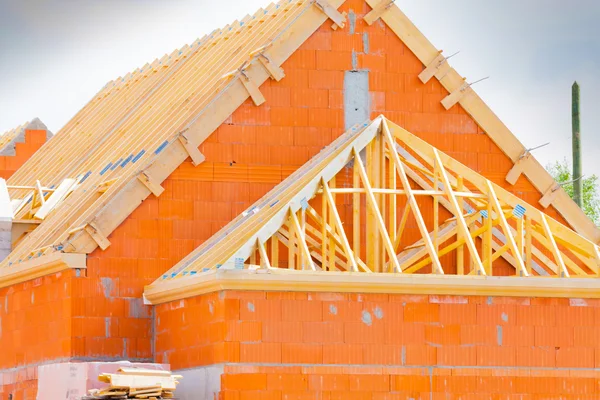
(332, 13)
(378, 11)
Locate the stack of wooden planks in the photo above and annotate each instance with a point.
(136, 383)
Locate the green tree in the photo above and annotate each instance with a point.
(562, 172)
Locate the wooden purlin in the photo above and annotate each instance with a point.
(281, 212)
(164, 126)
(401, 25)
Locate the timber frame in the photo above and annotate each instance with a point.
(301, 219)
(124, 156)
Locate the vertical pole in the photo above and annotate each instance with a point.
(577, 184)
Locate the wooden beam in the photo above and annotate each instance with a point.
(507, 230)
(437, 267)
(550, 195)
(154, 187)
(340, 228)
(456, 209)
(453, 98)
(517, 169)
(97, 235)
(439, 67)
(378, 11)
(554, 248)
(253, 90)
(264, 258)
(378, 218)
(332, 13)
(195, 154)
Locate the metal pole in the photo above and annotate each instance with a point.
(577, 184)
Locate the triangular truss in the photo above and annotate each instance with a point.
(349, 209)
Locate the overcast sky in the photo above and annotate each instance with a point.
(56, 54)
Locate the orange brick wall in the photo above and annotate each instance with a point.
(34, 139)
(385, 346)
(35, 328)
(250, 153)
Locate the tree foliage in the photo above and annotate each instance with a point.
(562, 172)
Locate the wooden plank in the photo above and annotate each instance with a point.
(253, 90)
(62, 191)
(97, 235)
(378, 217)
(554, 248)
(306, 257)
(332, 13)
(378, 11)
(550, 195)
(517, 169)
(264, 258)
(439, 67)
(152, 185)
(507, 230)
(456, 96)
(437, 267)
(195, 154)
(339, 227)
(457, 211)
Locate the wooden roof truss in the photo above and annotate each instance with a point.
(298, 225)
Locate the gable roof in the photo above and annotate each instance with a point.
(301, 218)
(140, 127)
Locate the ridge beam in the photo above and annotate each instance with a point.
(151, 184)
(332, 13)
(195, 154)
(439, 67)
(97, 235)
(378, 11)
(463, 91)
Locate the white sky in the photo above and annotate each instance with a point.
(56, 54)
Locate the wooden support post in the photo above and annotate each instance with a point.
(520, 236)
(275, 251)
(517, 169)
(97, 235)
(392, 202)
(152, 185)
(553, 247)
(528, 244)
(378, 11)
(378, 218)
(253, 90)
(436, 208)
(460, 250)
(40, 193)
(332, 13)
(338, 225)
(456, 210)
(264, 259)
(487, 240)
(195, 154)
(292, 245)
(305, 257)
(510, 240)
(437, 267)
(331, 244)
(324, 238)
(356, 211)
(449, 101)
(439, 67)
(403, 219)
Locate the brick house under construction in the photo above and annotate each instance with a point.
(308, 203)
